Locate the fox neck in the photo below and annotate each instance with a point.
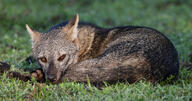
(92, 42)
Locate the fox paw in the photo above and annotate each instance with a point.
(38, 75)
(18, 76)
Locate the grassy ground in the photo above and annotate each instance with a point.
(172, 17)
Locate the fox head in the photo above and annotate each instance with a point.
(57, 49)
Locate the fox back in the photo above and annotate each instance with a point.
(103, 54)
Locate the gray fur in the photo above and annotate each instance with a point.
(123, 53)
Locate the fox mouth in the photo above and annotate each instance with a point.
(54, 78)
(54, 81)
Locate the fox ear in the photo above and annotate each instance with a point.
(71, 28)
(34, 35)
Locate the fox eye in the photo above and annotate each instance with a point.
(43, 59)
(61, 58)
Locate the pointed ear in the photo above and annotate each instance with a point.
(71, 28)
(34, 35)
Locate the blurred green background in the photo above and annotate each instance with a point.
(171, 17)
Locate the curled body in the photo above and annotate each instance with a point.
(75, 51)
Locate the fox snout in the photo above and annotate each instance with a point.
(53, 74)
(52, 77)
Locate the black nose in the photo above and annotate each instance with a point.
(52, 77)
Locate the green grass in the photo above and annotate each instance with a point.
(172, 17)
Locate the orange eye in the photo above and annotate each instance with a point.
(61, 58)
(43, 59)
